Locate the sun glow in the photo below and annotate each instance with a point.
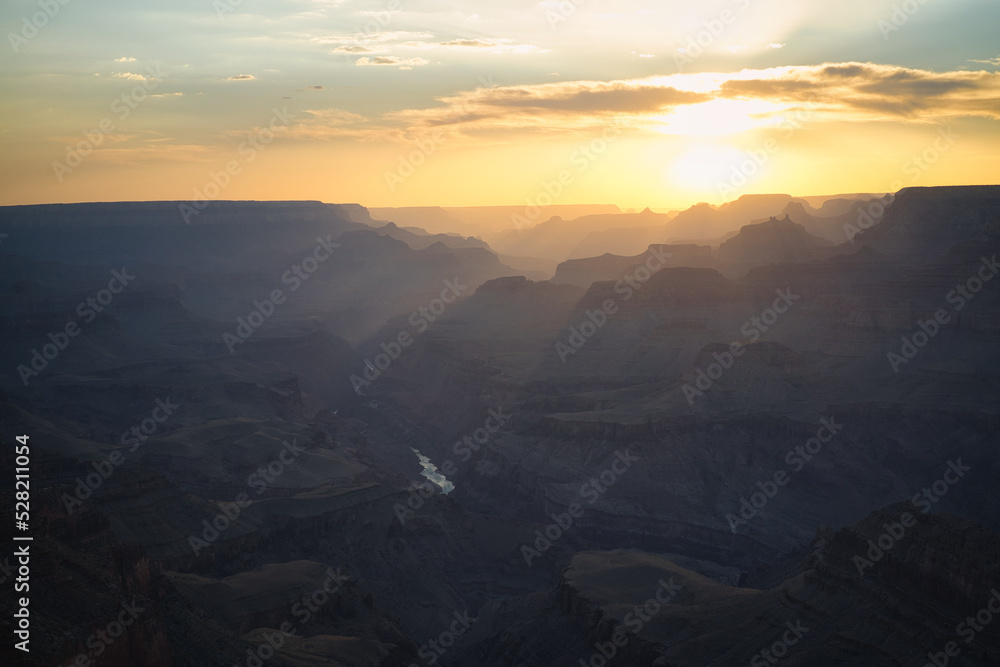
(720, 117)
(703, 166)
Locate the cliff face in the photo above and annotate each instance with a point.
(923, 223)
(707, 388)
(772, 242)
(656, 376)
(84, 578)
(647, 611)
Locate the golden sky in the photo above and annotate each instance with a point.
(400, 102)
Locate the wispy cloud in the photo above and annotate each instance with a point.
(388, 37)
(328, 124)
(488, 45)
(355, 48)
(391, 61)
(242, 77)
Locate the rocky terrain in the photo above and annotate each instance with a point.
(780, 445)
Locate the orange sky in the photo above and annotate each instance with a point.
(396, 103)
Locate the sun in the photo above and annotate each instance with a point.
(703, 166)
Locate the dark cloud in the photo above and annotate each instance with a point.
(844, 70)
(795, 89)
(915, 88)
(882, 88)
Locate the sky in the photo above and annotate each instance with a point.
(413, 103)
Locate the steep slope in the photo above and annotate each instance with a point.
(771, 242)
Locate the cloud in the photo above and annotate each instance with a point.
(355, 48)
(124, 59)
(242, 77)
(382, 42)
(489, 45)
(836, 91)
(391, 61)
(131, 76)
(617, 97)
(148, 148)
(389, 37)
(327, 124)
(866, 91)
(550, 107)
(314, 87)
(992, 61)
